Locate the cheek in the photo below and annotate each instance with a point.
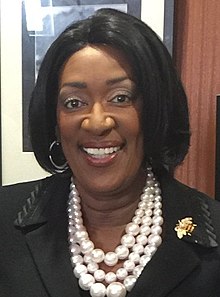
(133, 126)
(67, 129)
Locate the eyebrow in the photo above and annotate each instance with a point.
(83, 85)
(75, 84)
(117, 80)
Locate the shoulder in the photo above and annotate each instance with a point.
(196, 202)
(13, 197)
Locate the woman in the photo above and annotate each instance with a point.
(109, 120)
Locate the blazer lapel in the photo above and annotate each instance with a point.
(168, 267)
(49, 249)
(45, 229)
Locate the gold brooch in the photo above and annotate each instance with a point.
(184, 227)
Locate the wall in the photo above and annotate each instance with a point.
(197, 58)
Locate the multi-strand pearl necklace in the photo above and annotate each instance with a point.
(137, 246)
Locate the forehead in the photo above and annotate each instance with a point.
(96, 60)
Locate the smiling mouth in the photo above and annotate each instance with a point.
(100, 153)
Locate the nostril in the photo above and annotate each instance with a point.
(97, 124)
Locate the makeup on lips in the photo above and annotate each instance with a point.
(101, 154)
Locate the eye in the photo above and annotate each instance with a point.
(121, 99)
(73, 103)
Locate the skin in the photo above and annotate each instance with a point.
(99, 107)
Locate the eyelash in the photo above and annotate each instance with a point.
(128, 98)
(73, 100)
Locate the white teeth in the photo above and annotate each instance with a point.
(101, 152)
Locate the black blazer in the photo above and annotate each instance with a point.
(34, 257)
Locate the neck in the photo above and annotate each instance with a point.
(112, 209)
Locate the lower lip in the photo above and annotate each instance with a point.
(101, 162)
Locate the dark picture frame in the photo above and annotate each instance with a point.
(17, 162)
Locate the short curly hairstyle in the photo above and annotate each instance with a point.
(165, 119)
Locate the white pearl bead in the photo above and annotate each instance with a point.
(157, 204)
(86, 246)
(77, 259)
(146, 220)
(97, 290)
(128, 240)
(157, 220)
(132, 229)
(71, 223)
(157, 191)
(157, 212)
(128, 265)
(81, 235)
(110, 258)
(149, 189)
(145, 229)
(99, 275)
(79, 270)
(142, 204)
(87, 258)
(110, 277)
(75, 249)
(77, 214)
(121, 273)
(149, 250)
(154, 239)
(80, 227)
(150, 204)
(75, 199)
(150, 174)
(148, 212)
(69, 209)
(144, 197)
(137, 270)
(156, 229)
(158, 198)
(138, 248)
(116, 289)
(73, 186)
(139, 212)
(144, 260)
(97, 255)
(134, 257)
(122, 252)
(142, 239)
(137, 220)
(72, 239)
(92, 267)
(78, 221)
(129, 282)
(71, 229)
(85, 281)
(76, 206)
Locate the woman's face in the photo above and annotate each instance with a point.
(98, 114)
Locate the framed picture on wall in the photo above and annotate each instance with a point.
(25, 37)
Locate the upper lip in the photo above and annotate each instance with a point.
(103, 144)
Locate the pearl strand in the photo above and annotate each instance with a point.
(139, 243)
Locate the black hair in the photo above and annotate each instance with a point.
(165, 120)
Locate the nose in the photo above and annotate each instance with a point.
(98, 121)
